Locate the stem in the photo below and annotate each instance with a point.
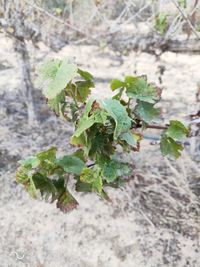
(90, 165)
(152, 126)
(74, 96)
(161, 127)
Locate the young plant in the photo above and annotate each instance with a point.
(100, 127)
(161, 23)
(182, 3)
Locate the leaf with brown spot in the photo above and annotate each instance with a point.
(66, 202)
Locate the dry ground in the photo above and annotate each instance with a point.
(153, 222)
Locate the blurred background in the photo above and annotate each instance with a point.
(154, 220)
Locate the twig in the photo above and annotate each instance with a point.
(152, 126)
(186, 18)
(160, 127)
(90, 165)
(176, 24)
(61, 21)
(130, 19)
(112, 28)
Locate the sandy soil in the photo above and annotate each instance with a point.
(154, 221)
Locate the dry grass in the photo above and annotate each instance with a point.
(167, 194)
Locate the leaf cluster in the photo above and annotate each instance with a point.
(101, 126)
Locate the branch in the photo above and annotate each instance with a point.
(152, 126)
(186, 18)
(160, 127)
(153, 44)
(90, 165)
(40, 9)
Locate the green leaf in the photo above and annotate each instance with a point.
(147, 112)
(113, 169)
(161, 23)
(115, 84)
(176, 130)
(49, 154)
(88, 107)
(97, 184)
(98, 116)
(84, 124)
(80, 140)
(31, 162)
(55, 190)
(55, 103)
(99, 143)
(83, 187)
(79, 154)
(83, 90)
(66, 202)
(47, 71)
(24, 177)
(29, 173)
(71, 164)
(85, 74)
(138, 88)
(87, 175)
(47, 160)
(118, 112)
(131, 138)
(170, 148)
(119, 94)
(56, 76)
(94, 177)
(35, 172)
(44, 184)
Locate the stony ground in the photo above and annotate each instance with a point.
(154, 221)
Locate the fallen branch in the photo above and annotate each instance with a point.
(155, 45)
